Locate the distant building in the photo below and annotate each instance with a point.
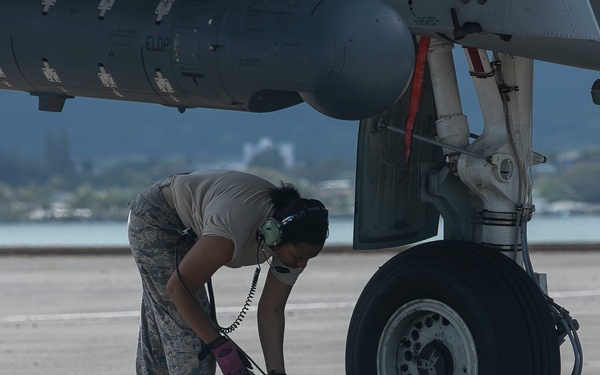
(286, 150)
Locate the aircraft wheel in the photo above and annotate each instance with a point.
(451, 307)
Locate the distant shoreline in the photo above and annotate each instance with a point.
(124, 250)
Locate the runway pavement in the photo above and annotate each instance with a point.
(74, 314)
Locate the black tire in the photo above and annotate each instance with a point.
(457, 307)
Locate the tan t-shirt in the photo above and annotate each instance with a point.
(229, 204)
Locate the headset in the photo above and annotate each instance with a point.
(271, 232)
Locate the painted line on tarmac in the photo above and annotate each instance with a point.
(575, 294)
(234, 310)
(59, 317)
(136, 314)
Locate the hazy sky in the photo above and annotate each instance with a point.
(562, 100)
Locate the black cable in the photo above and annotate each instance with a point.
(213, 311)
(561, 316)
(245, 308)
(186, 232)
(225, 331)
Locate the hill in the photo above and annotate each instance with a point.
(564, 117)
(102, 129)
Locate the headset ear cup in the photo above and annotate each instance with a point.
(271, 232)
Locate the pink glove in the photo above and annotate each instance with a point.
(230, 359)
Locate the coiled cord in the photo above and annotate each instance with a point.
(245, 308)
(213, 310)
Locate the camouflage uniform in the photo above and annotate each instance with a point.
(166, 344)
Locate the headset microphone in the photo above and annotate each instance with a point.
(281, 269)
(271, 232)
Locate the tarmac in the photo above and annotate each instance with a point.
(68, 313)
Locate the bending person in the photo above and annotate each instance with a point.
(236, 219)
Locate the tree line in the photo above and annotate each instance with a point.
(56, 186)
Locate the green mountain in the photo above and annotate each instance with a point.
(102, 129)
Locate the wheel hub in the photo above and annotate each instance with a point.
(435, 359)
(426, 337)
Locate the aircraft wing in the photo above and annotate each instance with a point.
(564, 32)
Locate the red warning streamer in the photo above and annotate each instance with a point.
(415, 95)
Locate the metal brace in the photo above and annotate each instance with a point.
(479, 71)
(163, 83)
(163, 9)
(106, 78)
(47, 4)
(50, 73)
(383, 125)
(4, 82)
(105, 6)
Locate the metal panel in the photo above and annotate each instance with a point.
(562, 31)
(389, 211)
(195, 51)
(571, 19)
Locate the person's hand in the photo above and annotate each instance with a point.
(230, 359)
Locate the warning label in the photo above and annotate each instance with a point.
(426, 21)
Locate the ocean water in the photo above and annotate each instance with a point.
(108, 233)
(543, 229)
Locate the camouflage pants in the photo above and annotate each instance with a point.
(166, 344)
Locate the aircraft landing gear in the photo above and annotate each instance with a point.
(473, 306)
(452, 307)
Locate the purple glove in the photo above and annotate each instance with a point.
(230, 359)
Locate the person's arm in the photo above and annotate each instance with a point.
(207, 255)
(271, 322)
